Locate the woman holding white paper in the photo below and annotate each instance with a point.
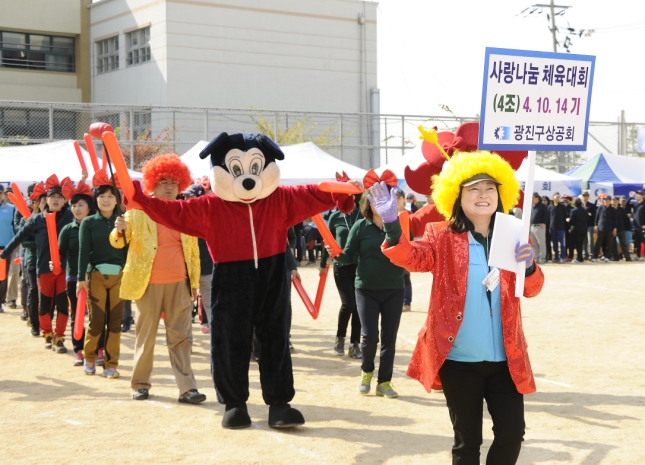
(472, 345)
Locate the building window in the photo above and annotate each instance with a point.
(142, 125)
(138, 46)
(36, 51)
(107, 55)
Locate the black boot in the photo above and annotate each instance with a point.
(235, 417)
(283, 416)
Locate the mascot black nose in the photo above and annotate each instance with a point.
(248, 184)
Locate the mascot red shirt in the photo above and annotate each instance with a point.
(245, 227)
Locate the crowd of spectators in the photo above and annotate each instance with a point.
(568, 230)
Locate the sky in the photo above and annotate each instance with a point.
(431, 52)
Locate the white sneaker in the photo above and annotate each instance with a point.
(594, 260)
(606, 260)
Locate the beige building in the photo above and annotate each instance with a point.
(44, 51)
(310, 55)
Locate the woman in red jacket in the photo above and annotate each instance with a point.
(472, 345)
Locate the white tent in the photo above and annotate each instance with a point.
(413, 159)
(303, 164)
(25, 164)
(307, 164)
(196, 165)
(548, 182)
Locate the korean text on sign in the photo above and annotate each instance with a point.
(535, 100)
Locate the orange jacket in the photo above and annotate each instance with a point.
(445, 253)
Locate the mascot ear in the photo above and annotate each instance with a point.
(217, 149)
(269, 148)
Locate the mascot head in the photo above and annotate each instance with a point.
(243, 166)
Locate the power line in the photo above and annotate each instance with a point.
(552, 10)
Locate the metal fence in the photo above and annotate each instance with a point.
(366, 140)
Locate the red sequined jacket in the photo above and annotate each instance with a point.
(445, 253)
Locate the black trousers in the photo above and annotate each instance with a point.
(24, 288)
(639, 238)
(245, 298)
(77, 344)
(465, 386)
(578, 239)
(624, 246)
(407, 289)
(568, 239)
(127, 312)
(387, 303)
(603, 241)
(345, 276)
(32, 296)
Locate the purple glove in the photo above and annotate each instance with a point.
(383, 202)
(524, 253)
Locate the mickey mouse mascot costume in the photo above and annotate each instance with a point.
(245, 226)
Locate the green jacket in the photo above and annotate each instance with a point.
(94, 244)
(374, 270)
(339, 225)
(68, 247)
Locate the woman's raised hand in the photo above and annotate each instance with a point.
(383, 202)
(524, 253)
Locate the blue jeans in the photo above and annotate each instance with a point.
(557, 237)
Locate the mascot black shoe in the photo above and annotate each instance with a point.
(284, 416)
(245, 223)
(236, 417)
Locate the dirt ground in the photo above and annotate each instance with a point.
(585, 334)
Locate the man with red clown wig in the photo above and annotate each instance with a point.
(161, 273)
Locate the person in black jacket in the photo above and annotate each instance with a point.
(639, 223)
(568, 238)
(605, 227)
(52, 287)
(539, 222)
(588, 243)
(578, 228)
(621, 218)
(558, 223)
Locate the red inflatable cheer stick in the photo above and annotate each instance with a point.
(50, 218)
(326, 235)
(19, 201)
(90, 148)
(79, 154)
(3, 268)
(313, 311)
(116, 157)
(81, 305)
(321, 288)
(339, 187)
(404, 219)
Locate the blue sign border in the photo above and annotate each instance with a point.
(528, 53)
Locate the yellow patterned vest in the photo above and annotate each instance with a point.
(141, 235)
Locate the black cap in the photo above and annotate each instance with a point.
(640, 191)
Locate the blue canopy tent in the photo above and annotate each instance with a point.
(611, 174)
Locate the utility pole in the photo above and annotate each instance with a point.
(553, 29)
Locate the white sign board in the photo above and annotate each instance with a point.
(535, 100)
